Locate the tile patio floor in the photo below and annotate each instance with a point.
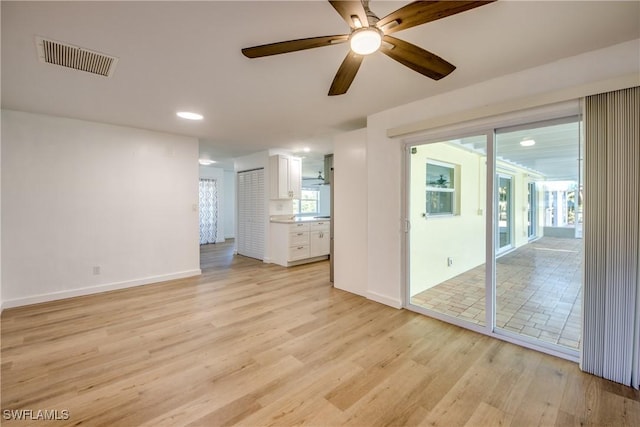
(538, 292)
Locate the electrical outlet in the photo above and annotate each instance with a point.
(449, 262)
(96, 270)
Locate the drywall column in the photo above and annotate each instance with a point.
(350, 212)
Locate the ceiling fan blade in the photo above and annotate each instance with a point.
(416, 58)
(348, 9)
(346, 73)
(420, 12)
(292, 46)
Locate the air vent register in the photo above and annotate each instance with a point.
(74, 57)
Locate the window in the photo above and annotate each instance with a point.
(309, 202)
(441, 193)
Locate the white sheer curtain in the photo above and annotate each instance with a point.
(208, 211)
(612, 237)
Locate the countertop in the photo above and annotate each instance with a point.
(287, 219)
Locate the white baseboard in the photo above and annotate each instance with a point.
(383, 299)
(52, 296)
(351, 291)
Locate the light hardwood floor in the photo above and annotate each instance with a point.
(254, 344)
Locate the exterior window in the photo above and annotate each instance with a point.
(441, 192)
(309, 202)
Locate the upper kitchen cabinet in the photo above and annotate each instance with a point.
(286, 176)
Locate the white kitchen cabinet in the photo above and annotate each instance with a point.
(286, 177)
(294, 243)
(319, 239)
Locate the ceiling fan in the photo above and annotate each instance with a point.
(370, 34)
(318, 178)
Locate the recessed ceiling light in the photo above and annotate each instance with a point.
(206, 162)
(189, 116)
(306, 149)
(527, 142)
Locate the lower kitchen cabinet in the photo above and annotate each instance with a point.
(319, 239)
(299, 242)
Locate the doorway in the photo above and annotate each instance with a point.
(447, 251)
(492, 241)
(208, 203)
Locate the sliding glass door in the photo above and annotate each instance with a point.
(516, 273)
(539, 282)
(447, 248)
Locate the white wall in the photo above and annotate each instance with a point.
(384, 155)
(229, 210)
(210, 172)
(349, 212)
(78, 195)
(1, 300)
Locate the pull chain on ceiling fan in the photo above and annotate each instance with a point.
(370, 34)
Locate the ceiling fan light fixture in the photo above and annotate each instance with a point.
(364, 41)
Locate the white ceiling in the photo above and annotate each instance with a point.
(186, 56)
(554, 156)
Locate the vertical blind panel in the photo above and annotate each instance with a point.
(612, 235)
(595, 215)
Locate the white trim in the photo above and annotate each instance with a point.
(506, 120)
(517, 105)
(383, 299)
(501, 334)
(53, 296)
(491, 207)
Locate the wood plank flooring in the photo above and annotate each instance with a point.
(253, 344)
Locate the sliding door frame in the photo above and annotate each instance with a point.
(486, 127)
(489, 242)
